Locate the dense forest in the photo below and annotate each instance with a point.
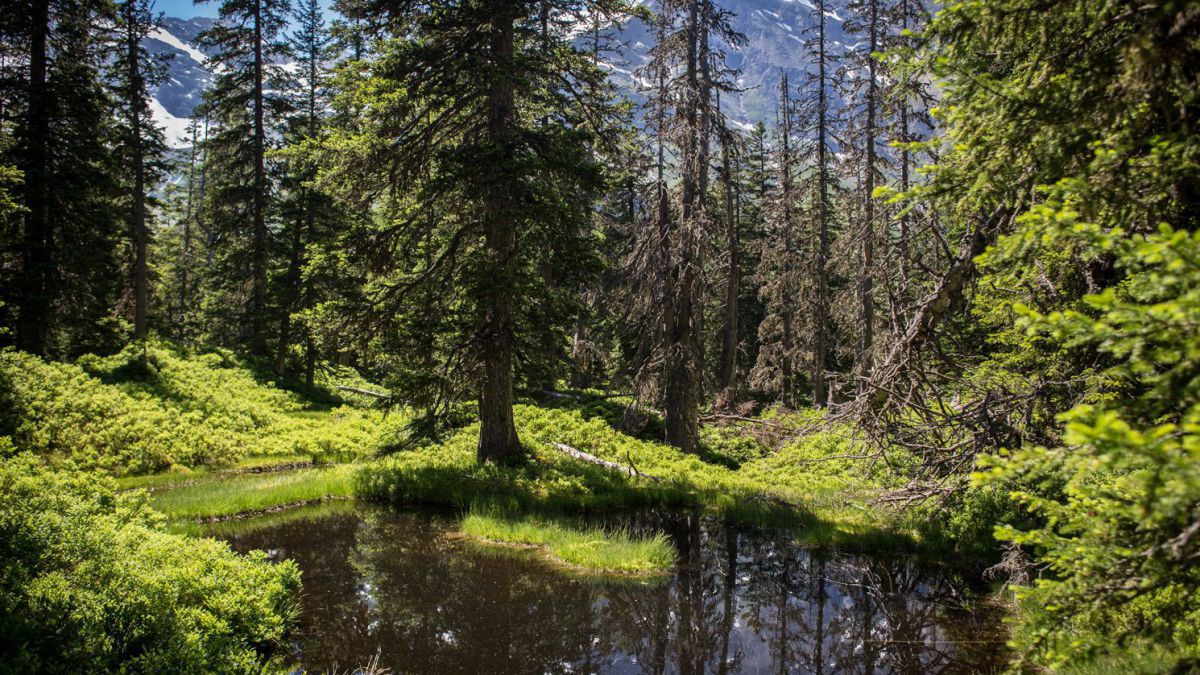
(945, 305)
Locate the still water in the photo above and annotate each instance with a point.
(393, 583)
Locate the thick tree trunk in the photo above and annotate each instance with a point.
(681, 391)
(498, 441)
(33, 297)
(258, 253)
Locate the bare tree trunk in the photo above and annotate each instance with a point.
(33, 310)
(682, 395)
(787, 373)
(498, 439)
(729, 345)
(821, 307)
(866, 253)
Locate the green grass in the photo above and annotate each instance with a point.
(181, 475)
(827, 503)
(1137, 659)
(157, 407)
(589, 550)
(253, 493)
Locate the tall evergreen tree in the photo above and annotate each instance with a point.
(141, 144)
(65, 286)
(247, 104)
(689, 64)
(487, 182)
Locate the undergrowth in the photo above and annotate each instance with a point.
(155, 406)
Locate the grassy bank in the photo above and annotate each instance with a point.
(587, 550)
(800, 486)
(253, 493)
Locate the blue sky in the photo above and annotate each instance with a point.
(186, 9)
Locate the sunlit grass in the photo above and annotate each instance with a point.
(587, 549)
(252, 493)
(183, 475)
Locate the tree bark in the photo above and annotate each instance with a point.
(821, 307)
(729, 344)
(681, 392)
(36, 263)
(866, 254)
(258, 253)
(498, 441)
(140, 236)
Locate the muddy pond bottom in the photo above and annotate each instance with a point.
(393, 584)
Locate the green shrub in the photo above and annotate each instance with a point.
(152, 406)
(90, 583)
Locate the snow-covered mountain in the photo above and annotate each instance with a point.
(189, 74)
(775, 31)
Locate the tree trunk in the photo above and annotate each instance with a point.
(821, 307)
(498, 441)
(258, 254)
(141, 282)
(866, 253)
(34, 292)
(729, 344)
(681, 392)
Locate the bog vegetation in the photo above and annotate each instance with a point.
(947, 304)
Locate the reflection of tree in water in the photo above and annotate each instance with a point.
(376, 579)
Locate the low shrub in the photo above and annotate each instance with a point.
(90, 583)
(153, 406)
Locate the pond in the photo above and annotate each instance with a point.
(393, 583)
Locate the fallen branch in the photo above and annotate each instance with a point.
(364, 392)
(592, 459)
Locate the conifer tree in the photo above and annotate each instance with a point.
(484, 191)
(64, 288)
(246, 105)
(141, 144)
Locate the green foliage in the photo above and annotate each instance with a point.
(1120, 501)
(151, 407)
(90, 583)
(591, 550)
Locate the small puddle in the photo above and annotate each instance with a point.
(391, 582)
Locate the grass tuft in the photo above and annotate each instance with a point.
(254, 493)
(590, 550)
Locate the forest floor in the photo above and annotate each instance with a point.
(213, 439)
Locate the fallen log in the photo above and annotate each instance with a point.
(363, 392)
(582, 456)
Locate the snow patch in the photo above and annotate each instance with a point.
(174, 128)
(163, 36)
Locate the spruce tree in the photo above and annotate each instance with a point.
(246, 105)
(66, 281)
(483, 111)
(141, 144)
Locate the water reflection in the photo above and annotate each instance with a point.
(738, 603)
